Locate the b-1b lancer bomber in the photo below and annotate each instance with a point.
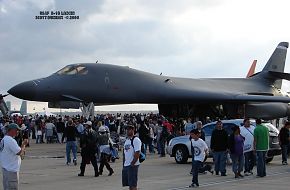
(102, 84)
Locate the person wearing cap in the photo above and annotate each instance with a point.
(70, 133)
(132, 149)
(10, 157)
(88, 146)
(105, 145)
(284, 140)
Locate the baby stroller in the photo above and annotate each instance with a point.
(112, 153)
(205, 168)
(54, 138)
(115, 139)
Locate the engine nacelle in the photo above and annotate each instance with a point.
(267, 110)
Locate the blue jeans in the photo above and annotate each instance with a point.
(192, 163)
(158, 147)
(284, 152)
(196, 165)
(151, 147)
(261, 163)
(71, 146)
(145, 148)
(249, 161)
(192, 155)
(220, 160)
(238, 163)
(38, 139)
(130, 176)
(162, 148)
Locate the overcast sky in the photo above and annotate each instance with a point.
(184, 38)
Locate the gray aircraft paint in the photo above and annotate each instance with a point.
(106, 84)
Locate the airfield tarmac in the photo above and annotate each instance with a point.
(44, 169)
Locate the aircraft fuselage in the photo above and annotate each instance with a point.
(111, 84)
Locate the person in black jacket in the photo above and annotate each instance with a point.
(88, 145)
(144, 135)
(284, 141)
(60, 127)
(219, 146)
(70, 133)
(163, 138)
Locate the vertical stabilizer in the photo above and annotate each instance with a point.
(8, 104)
(23, 108)
(252, 69)
(3, 107)
(277, 61)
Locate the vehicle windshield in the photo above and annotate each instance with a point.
(73, 70)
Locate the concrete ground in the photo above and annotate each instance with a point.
(44, 169)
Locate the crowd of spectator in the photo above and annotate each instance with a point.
(154, 130)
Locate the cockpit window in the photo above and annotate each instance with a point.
(73, 70)
(82, 70)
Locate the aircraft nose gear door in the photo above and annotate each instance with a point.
(3, 106)
(88, 109)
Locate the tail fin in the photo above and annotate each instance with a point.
(3, 106)
(23, 108)
(276, 62)
(252, 69)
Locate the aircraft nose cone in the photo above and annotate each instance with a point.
(25, 90)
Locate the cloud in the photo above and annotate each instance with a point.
(199, 38)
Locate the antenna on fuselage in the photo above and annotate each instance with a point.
(97, 61)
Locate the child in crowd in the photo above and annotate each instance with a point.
(200, 150)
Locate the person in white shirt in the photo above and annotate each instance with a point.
(247, 131)
(200, 151)
(10, 157)
(49, 129)
(132, 149)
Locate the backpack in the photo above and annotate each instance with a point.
(142, 156)
(90, 138)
